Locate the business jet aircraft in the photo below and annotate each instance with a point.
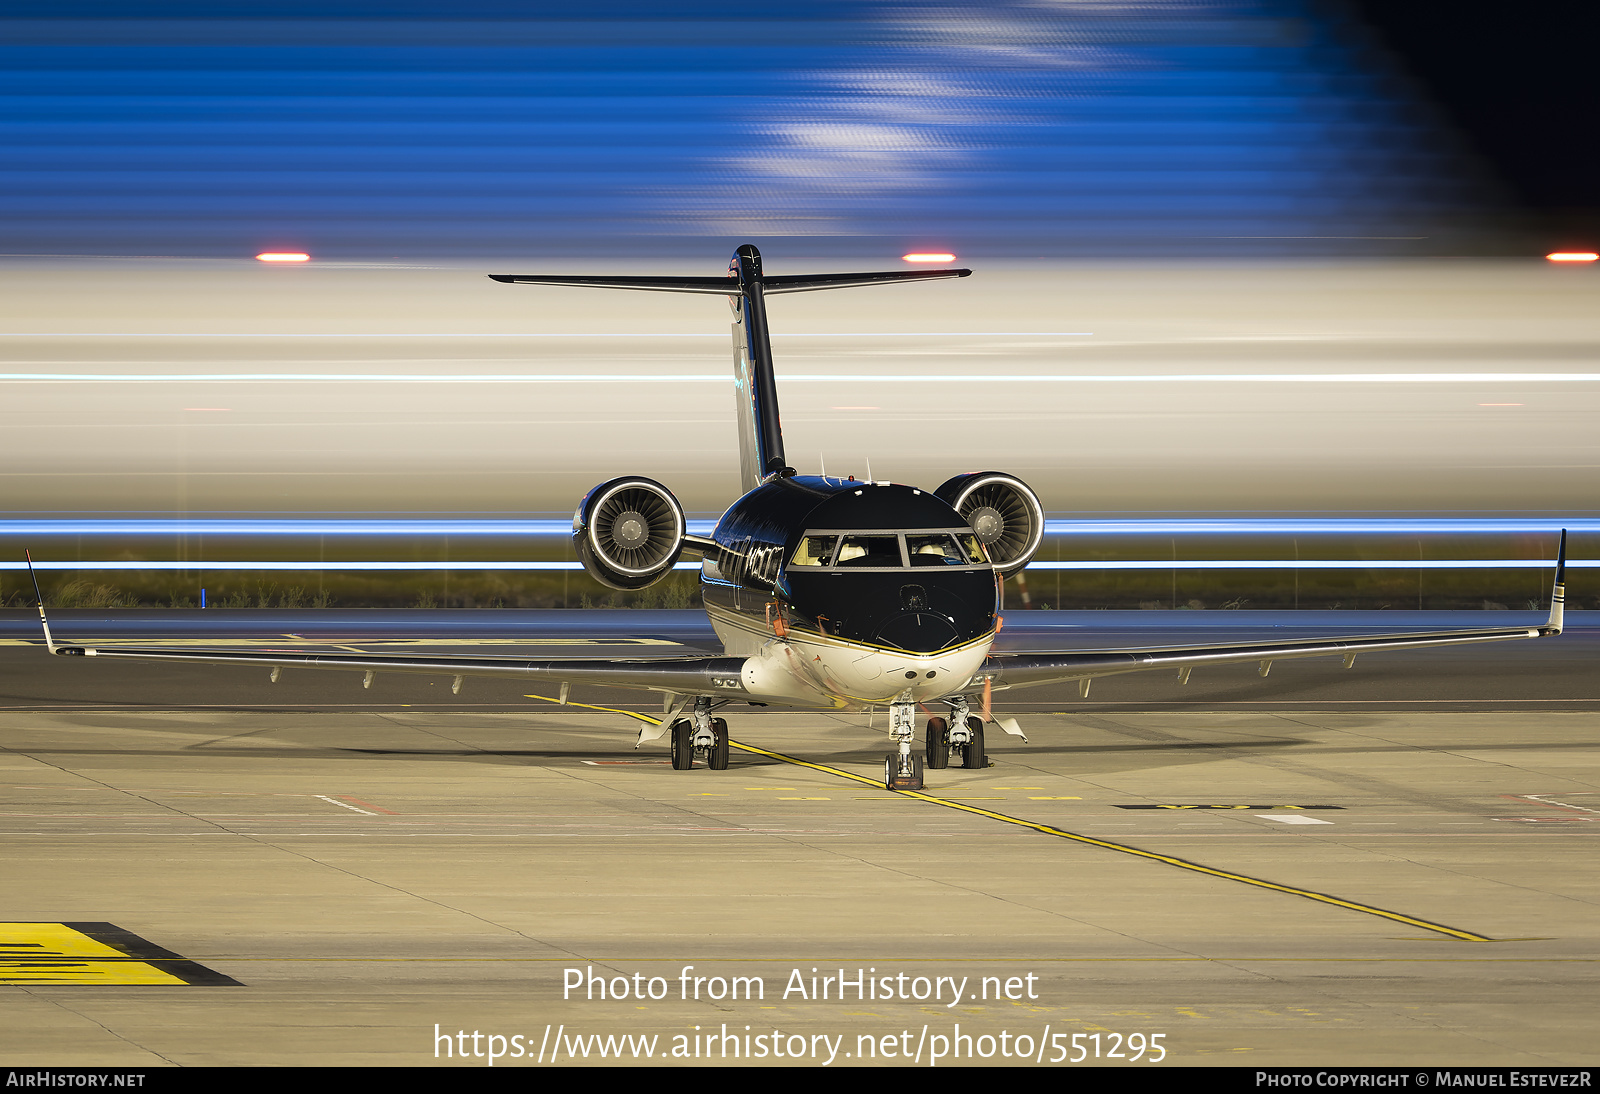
(828, 594)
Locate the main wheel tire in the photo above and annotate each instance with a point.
(717, 758)
(938, 744)
(972, 754)
(682, 745)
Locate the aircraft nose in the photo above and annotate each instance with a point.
(917, 632)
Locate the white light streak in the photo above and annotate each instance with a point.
(801, 378)
(125, 566)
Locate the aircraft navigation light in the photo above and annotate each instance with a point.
(282, 256)
(1558, 256)
(928, 257)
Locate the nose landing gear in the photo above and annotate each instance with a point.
(896, 778)
(902, 770)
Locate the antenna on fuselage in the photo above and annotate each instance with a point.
(755, 389)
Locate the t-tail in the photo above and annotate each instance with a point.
(755, 385)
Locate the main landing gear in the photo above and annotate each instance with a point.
(702, 735)
(964, 742)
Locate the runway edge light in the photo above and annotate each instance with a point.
(283, 256)
(1571, 256)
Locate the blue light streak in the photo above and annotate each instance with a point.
(1060, 526)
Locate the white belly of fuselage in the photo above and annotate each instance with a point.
(821, 671)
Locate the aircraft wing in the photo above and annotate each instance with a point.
(1018, 670)
(1027, 669)
(689, 675)
(676, 675)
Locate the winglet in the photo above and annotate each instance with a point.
(49, 643)
(1558, 594)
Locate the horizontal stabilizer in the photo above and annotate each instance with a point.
(723, 286)
(728, 286)
(755, 387)
(812, 282)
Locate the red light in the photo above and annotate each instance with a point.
(1572, 256)
(282, 256)
(928, 257)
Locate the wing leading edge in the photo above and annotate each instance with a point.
(699, 675)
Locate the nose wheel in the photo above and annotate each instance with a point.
(902, 771)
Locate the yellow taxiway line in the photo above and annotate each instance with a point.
(1061, 833)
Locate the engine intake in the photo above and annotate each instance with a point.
(628, 532)
(1004, 512)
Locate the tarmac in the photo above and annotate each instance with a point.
(1380, 867)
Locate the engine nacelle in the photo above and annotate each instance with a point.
(628, 532)
(1003, 511)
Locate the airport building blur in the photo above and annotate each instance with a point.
(1234, 259)
(1021, 128)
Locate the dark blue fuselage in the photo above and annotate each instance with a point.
(754, 584)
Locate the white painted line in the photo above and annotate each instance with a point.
(1293, 818)
(1550, 799)
(344, 805)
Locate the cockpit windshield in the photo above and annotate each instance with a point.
(880, 552)
(889, 551)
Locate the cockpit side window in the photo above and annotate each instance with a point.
(935, 549)
(814, 551)
(973, 548)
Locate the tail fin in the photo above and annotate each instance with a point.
(754, 386)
